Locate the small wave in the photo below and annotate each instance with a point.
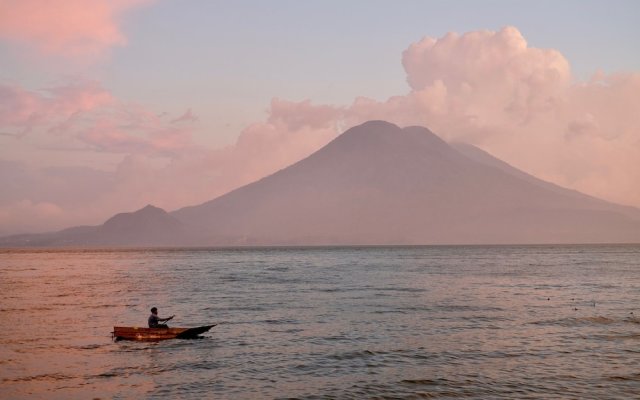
(99, 306)
(578, 321)
(632, 377)
(42, 377)
(424, 382)
(598, 320)
(22, 341)
(293, 330)
(278, 269)
(333, 290)
(233, 278)
(620, 336)
(33, 309)
(280, 321)
(402, 289)
(351, 355)
(242, 308)
(389, 312)
(22, 269)
(91, 346)
(464, 308)
(111, 374)
(484, 318)
(333, 338)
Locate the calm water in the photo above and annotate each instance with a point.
(422, 322)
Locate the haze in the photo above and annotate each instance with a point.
(106, 106)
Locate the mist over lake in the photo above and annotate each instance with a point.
(342, 322)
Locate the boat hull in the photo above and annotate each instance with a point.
(153, 334)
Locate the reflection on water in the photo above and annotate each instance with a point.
(478, 322)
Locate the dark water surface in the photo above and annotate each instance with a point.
(417, 322)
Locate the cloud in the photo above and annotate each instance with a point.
(481, 74)
(291, 132)
(84, 120)
(23, 111)
(188, 116)
(85, 116)
(523, 105)
(478, 81)
(71, 28)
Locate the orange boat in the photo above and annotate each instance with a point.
(138, 333)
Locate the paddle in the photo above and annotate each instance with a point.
(166, 319)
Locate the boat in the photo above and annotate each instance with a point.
(140, 333)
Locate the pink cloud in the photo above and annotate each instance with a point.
(17, 110)
(292, 131)
(482, 58)
(22, 110)
(72, 28)
(522, 104)
(470, 80)
(85, 115)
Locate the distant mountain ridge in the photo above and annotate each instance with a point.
(375, 184)
(149, 226)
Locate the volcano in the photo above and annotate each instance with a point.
(381, 184)
(376, 184)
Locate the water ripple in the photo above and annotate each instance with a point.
(524, 322)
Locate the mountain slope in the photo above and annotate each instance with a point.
(374, 184)
(485, 158)
(380, 184)
(149, 226)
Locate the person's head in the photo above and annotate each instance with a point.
(154, 310)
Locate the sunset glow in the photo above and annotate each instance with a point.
(89, 129)
(250, 199)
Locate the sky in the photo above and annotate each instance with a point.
(106, 106)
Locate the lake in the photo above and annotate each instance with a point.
(313, 323)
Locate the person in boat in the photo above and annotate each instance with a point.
(155, 321)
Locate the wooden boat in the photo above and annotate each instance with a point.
(139, 333)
